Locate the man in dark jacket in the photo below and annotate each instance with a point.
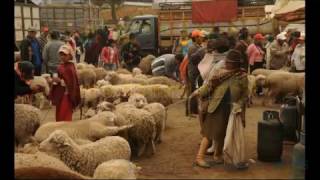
(30, 50)
(130, 53)
(23, 74)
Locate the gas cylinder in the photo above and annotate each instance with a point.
(289, 116)
(270, 137)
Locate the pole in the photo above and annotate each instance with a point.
(90, 23)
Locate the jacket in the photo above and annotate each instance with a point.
(238, 85)
(278, 55)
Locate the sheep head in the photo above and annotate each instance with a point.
(136, 71)
(138, 100)
(105, 106)
(57, 139)
(261, 80)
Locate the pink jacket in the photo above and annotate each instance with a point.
(255, 54)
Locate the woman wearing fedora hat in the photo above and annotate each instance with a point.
(229, 85)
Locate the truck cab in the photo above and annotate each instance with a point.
(146, 30)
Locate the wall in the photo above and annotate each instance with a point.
(127, 10)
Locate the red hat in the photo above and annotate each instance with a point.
(258, 36)
(45, 29)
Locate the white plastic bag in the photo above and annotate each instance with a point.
(234, 142)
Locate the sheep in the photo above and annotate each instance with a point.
(87, 77)
(138, 100)
(251, 88)
(163, 80)
(26, 122)
(22, 160)
(92, 129)
(90, 97)
(41, 81)
(157, 110)
(123, 71)
(265, 72)
(145, 64)
(136, 71)
(105, 106)
(153, 93)
(142, 134)
(81, 66)
(39, 172)
(156, 93)
(281, 83)
(159, 114)
(102, 82)
(115, 79)
(116, 169)
(85, 158)
(100, 73)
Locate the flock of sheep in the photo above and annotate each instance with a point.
(123, 114)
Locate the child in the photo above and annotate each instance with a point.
(110, 56)
(65, 94)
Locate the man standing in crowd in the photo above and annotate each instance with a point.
(279, 52)
(167, 65)
(50, 53)
(130, 53)
(255, 53)
(298, 58)
(31, 51)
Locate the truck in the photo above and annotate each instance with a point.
(156, 33)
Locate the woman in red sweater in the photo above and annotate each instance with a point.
(65, 93)
(110, 56)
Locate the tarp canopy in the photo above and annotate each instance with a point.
(292, 6)
(214, 11)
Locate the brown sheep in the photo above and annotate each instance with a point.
(145, 64)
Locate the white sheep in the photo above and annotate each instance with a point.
(22, 160)
(90, 98)
(116, 169)
(136, 71)
(85, 158)
(41, 81)
(26, 122)
(102, 82)
(116, 78)
(100, 73)
(92, 129)
(145, 64)
(162, 80)
(159, 114)
(265, 72)
(153, 93)
(39, 172)
(157, 110)
(138, 100)
(281, 83)
(142, 134)
(87, 77)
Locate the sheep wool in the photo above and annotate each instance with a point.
(145, 64)
(41, 81)
(100, 73)
(85, 158)
(22, 160)
(116, 169)
(94, 128)
(26, 122)
(142, 134)
(138, 100)
(158, 112)
(87, 77)
(38, 172)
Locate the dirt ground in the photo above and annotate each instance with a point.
(175, 155)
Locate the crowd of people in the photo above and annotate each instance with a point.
(212, 66)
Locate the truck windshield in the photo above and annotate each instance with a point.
(140, 26)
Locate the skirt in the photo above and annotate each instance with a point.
(215, 124)
(64, 109)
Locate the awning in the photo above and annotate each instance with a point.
(292, 6)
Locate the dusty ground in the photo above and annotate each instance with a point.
(175, 155)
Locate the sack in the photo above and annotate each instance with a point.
(234, 144)
(206, 65)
